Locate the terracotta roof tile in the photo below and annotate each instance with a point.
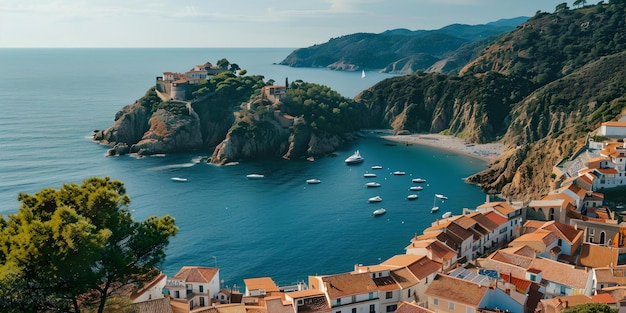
(424, 267)
(406, 307)
(196, 274)
(261, 283)
(458, 290)
(522, 285)
(561, 273)
(496, 218)
(404, 277)
(348, 284)
(597, 256)
(564, 231)
(486, 222)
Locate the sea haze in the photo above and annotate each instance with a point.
(53, 99)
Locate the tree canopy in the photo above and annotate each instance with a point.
(71, 248)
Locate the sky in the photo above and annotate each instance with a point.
(235, 23)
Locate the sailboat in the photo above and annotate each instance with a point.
(435, 208)
(362, 73)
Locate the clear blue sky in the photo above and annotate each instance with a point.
(234, 23)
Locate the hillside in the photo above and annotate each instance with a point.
(539, 90)
(400, 50)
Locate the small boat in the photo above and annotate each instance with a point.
(377, 167)
(434, 209)
(446, 215)
(442, 197)
(399, 173)
(311, 159)
(372, 184)
(313, 181)
(362, 73)
(179, 179)
(375, 199)
(378, 212)
(412, 197)
(355, 158)
(416, 188)
(255, 176)
(418, 180)
(369, 175)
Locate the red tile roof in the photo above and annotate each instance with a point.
(496, 218)
(521, 284)
(457, 290)
(348, 284)
(196, 274)
(406, 307)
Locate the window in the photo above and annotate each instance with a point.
(391, 308)
(371, 296)
(201, 301)
(372, 308)
(450, 305)
(469, 310)
(201, 288)
(409, 295)
(177, 294)
(353, 310)
(388, 295)
(533, 277)
(435, 301)
(560, 242)
(563, 290)
(338, 301)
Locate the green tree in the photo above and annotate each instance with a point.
(223, 63)
(561, 7)
(76, 245)
(591, 308)
(580, 3)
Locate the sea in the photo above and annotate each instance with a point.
(52, 100)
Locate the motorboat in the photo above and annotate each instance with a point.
(377, 167)
(179, 179)
(378, 212)
(255, 176)
(416, 188)
(418, 180)
(369, 175)
(372, 184)
(355, 158)
(446, 215)
(313, 181)
(412, 197)
(442, 197)
(434, 209)
(375, 199)
(399, 173)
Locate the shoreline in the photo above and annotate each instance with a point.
(487, 152)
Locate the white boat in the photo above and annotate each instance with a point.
(442, 197)
(399, 173)
(418, 180)
(412, 197)
(377, 167)
(416, 188)
(446, 215)
(372, 184)
(179, 179)
(255, 176)
(380, 211)
(369, 175)
(375, 199)
(313, 181)
(362, 73)
(434, 209)
(355, 158)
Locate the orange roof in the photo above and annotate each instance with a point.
(261, 283)
(406, 307)
(457, 290)
(608, 171)
(565, 231)
(196, 274)
(614, 124)
(348, 284)
(498, 219)
(521, 284)
(603, 298)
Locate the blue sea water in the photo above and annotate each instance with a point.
(51, 100)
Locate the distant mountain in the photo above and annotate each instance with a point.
(539, 90)
(401, 50)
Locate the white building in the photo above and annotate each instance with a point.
(194, 286)
(613, 129)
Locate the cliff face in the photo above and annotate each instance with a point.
(130, 124)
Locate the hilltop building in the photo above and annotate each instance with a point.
(177, 86)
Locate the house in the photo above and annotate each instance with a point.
(453, 294)
(150, 290)
(559, 304)
(569, 237)
(514, 215)
(308, 301)
(610, 276)
(348, 292)
(262, 286)
(402, 277)
(592, 255)
(613, 129)
(601, 232)
(274, 93)
(193, 286)
(544, 242)
(434, 250)
(554, 209)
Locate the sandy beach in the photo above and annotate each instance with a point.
(487, 152)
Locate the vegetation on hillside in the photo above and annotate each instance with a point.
(70, 248)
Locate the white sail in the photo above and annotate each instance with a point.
(362, 73)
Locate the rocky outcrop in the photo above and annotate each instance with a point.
(170, 132)
(129, 127)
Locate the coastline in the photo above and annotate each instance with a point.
(487, 152)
